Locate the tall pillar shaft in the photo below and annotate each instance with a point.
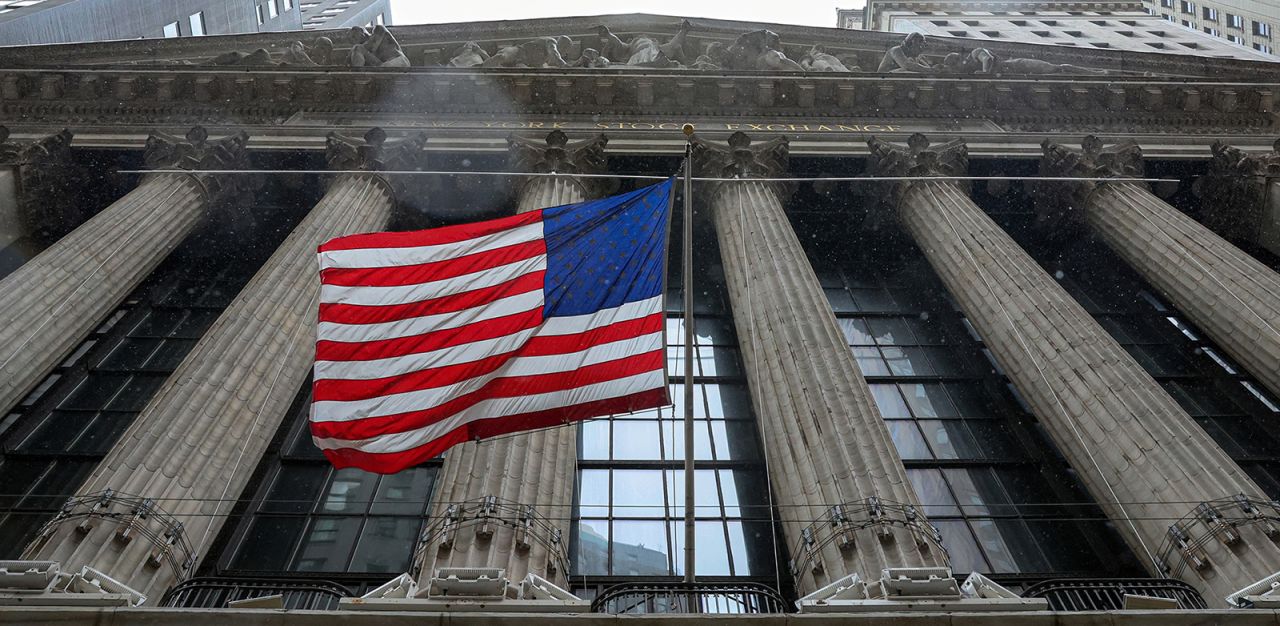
(1231, 296)
(170, 482)
(1141, 456)
(530, 474)
(51, 303)
(827, 445)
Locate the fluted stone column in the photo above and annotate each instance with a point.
(846, 504)
(51, 303)
(1231, 296)
(1142, 457)
(191, 451)
(1241, 196)
(529, 473)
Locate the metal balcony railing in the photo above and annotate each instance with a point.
(214, 592)
(699, 598)
(1107, 594)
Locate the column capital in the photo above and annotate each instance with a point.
(917, 158)
(1061, 205)
(45, 176)
(195, 152)
(740, 159)
(1234, 190)
(555, 153)
(374, 153)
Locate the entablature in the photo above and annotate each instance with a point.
(265, 96)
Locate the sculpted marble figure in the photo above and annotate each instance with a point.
(469, 55)
(907, 56)
(376, 49)
(817, 59)
(983, 61)
(643, 50)
(320, 52)
(759, 50)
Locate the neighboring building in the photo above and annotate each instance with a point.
(1123, 25)
(1246, 22)
(26, 22)
(332, 14)
(1002, 355)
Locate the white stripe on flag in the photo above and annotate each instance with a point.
(497, 408)
(520, 303)
(423, 399)
(402, 294)
(574, 324)
(396, 257)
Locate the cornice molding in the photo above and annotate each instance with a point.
(268, 95)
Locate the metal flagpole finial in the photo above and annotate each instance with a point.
(687, 129)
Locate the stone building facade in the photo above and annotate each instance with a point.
(1006, 311)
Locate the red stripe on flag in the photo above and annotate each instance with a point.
(367, 428)
(386, 348)
(390, 463)
(346, 390)
(339, 313)
(400, 275)
(432, 237)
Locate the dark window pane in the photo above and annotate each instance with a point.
(870, 362)
(130, 354)
(928, 400)
(326, 546)
(58, 431)
(891, 331)
(268, 544)
(95, 391)
(933, 492)
(961, 547)
(855, 331)
(171, 354)
(386, 544)
(405, 493)
(105, 431)
(135, 395)
(350, 491)
(949, 439)
(294, 489)
(907, 361)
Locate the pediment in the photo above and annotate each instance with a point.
(635, 41)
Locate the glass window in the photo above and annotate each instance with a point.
(172, 29)
(273, 8)
(196, 20)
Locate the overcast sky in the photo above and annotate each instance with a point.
(803, 12)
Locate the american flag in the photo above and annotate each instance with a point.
(430, 338)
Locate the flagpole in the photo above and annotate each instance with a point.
(687, 256)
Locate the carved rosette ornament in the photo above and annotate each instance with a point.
(43, 176)
(1062, 204)
(199, 155)
(556, 154)
(1235, 191)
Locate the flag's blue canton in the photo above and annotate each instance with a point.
(603, 253)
